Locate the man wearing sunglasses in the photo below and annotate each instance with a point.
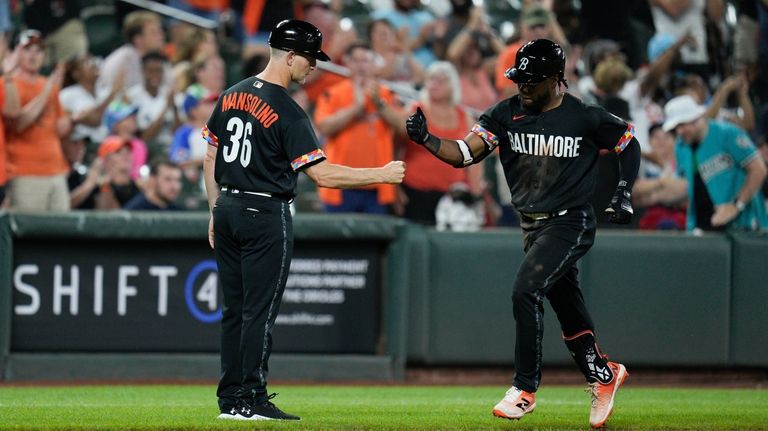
(549, 143)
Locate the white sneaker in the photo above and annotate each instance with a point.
(515, 404)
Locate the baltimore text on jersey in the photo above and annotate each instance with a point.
(538, 145)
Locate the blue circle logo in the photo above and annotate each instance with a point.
(189, 296)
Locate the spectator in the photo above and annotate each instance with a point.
(358, 120)
(335, 43)
(36, 164)
(143, 33)
(60, 25)
(722, 166)
(658, 189)
(116, 185)
(259, 17)
(610, 77)
(189, 147)
(678, 17)
(428, 179)
(200, 43)
(120, 120)
(81, 101)
(9, 101)
(414, 25)
(762, 146)
(628, 23)
(209, 73)
(476, 86)
(459, 210)
(161, 189)
(465, 17)
(393, 61)
(744, 115)
(157, 117)
(476, 30)
(83, 182)
(536, 22)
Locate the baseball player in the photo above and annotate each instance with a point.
(260, 139)
(549, 142)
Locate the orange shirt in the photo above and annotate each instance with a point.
(505, 61)
(3, 174)
(426, 172)
(363, 143)
(209, 5)
(36, 150)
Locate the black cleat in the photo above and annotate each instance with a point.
(252, 410)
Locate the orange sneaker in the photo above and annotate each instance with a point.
(603, 395)
(515, 404)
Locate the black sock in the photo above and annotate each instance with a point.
(588, 358)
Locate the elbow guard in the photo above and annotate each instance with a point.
(466, 154)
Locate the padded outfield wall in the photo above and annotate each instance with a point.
(133, 295)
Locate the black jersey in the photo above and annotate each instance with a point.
(549, 157)
(264, 138)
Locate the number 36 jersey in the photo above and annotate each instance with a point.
(263, 136)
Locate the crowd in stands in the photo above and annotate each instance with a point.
(79, 132)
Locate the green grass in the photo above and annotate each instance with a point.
(193, 407)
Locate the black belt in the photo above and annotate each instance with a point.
(543, 216)
(233, 191)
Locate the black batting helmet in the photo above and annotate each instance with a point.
(298, 36)
(536, 61)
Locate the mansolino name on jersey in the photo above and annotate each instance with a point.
(539, 145)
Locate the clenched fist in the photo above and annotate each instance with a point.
(393, 172)
(416, 126)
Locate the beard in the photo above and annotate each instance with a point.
(536, 103)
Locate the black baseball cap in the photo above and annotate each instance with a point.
(298, 36)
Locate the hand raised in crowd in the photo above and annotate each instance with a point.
(10, 61)
(97, 174)
(373, 90)
(478, 20)
(57, 76)
(359, 89)
(393, 172)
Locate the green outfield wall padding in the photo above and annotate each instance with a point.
(657, 299)
(466, 311)
(188, 225)
(6, 254)
(660, 299)
(749, 320)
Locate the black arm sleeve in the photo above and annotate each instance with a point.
(629, 163)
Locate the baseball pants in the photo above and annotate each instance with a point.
(552, 248)
(253, 245)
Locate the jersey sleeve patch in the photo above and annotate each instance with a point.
(306, 159)
(490, 139)
(210, 137)
(625, 138)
